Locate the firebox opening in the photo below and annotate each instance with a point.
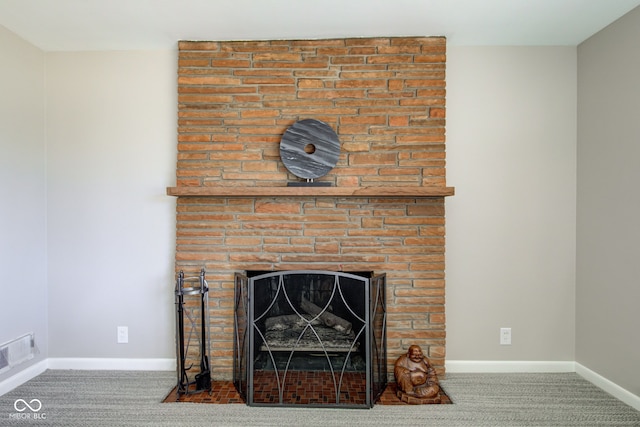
(317, 327)
(307, 323)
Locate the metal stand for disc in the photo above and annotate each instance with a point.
(192, 329)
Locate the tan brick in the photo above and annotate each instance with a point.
(236, 99)
(242, 241)
(437, 112)
(278, 208)
(277, 57)
(365, 83)
(399, 121)
(208, 80)
(310, 83)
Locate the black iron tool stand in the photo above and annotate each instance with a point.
(192, 330)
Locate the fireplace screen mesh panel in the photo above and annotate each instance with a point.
(378, 303)
(313, 338)
(240, 335)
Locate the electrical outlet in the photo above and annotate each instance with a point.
(123, 334)
(505, 336)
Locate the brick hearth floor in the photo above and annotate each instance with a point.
(224, 392)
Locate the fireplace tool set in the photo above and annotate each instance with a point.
(192, 330)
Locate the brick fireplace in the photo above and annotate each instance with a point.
(384, 213)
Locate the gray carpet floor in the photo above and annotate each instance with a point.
(126, 398)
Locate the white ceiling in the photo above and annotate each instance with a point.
(69, 25)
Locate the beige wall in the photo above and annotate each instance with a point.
(111, 132)
(22, 195)
(608, 288)
(511, 144)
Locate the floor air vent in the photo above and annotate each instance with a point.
(16, 351)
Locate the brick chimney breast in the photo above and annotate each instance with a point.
(385, 100)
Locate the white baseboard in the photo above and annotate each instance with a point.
(495, 366)
(610, 387)
(86, 364)
(109, 364)
(22, 377)
(492, 366)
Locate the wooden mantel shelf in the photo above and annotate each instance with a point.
(311, 191)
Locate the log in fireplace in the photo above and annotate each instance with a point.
(309, 337)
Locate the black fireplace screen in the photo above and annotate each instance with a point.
(314, 338)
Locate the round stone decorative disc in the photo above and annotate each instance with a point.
(309, 149)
